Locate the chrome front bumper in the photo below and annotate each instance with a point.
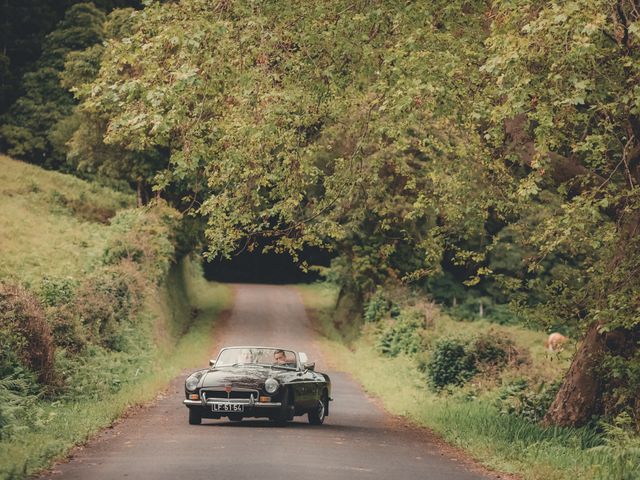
(235, 401)
(249, 402)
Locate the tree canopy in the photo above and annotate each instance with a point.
(339, 125)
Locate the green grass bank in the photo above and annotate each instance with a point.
(52, 224)
(472, 417)
(96, 315)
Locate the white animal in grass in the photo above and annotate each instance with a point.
(555, 342)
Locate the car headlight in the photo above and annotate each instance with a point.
(271, 385)
(192, 382)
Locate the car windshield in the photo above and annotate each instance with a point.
(273, 357)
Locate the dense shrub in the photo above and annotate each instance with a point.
(379, 306)
(56, 291)
(531, 403)
(454, 361)
(450, 364)
(102, 339)
(492, 350)
(106, 300)
(19, 406)
(145, 237)
(67, 328)
(25, 336)
(402, 335)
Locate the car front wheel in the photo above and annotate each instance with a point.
(194, 417)
(317, 415)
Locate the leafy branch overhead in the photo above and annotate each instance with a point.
(309, 125)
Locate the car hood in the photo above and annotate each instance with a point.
(241, 377)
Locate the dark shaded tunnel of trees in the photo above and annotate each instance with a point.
(271, 268)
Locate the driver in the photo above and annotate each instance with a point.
(280, 358)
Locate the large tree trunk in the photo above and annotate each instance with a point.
(581, 394)
(139, 192)
(347, 316)
(579, 397)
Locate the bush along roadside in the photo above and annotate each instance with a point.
(66, 342)
(483, 387)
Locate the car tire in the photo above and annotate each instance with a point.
(319, 412)
(194, 417)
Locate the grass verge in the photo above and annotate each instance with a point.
(72, 422)
(52, 224)
(504, 443)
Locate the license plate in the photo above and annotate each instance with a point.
(227, 407)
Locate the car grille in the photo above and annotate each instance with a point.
(233, 394)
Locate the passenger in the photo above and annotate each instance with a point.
(245, 356)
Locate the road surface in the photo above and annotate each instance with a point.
(358, 440)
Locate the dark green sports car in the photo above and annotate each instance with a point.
(270, 382)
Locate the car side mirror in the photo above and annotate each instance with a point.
(309, 366)
(212, 363)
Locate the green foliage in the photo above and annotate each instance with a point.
(145, 237)
(445, 289)
(491, 349)
(379, 306)
(472, 306)
(520, 399)
(621, 448)
(408, 138)
(25, 27)
(54, 292)
(101, 384)
(33, 118)
(402, 335)
(317, 139)
(578, 125)
(20, 409)
(115, 326)
(26, 341)
(622, 376)
(106, 301)
(450, 364)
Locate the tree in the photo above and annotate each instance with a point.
(25, 24)
(82, 133)
(328, 125)
(31, 119)
(569, 113)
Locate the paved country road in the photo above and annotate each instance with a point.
(358, 440)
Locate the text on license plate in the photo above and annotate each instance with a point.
(227, 407)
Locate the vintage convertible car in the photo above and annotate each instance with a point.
(270, 382)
